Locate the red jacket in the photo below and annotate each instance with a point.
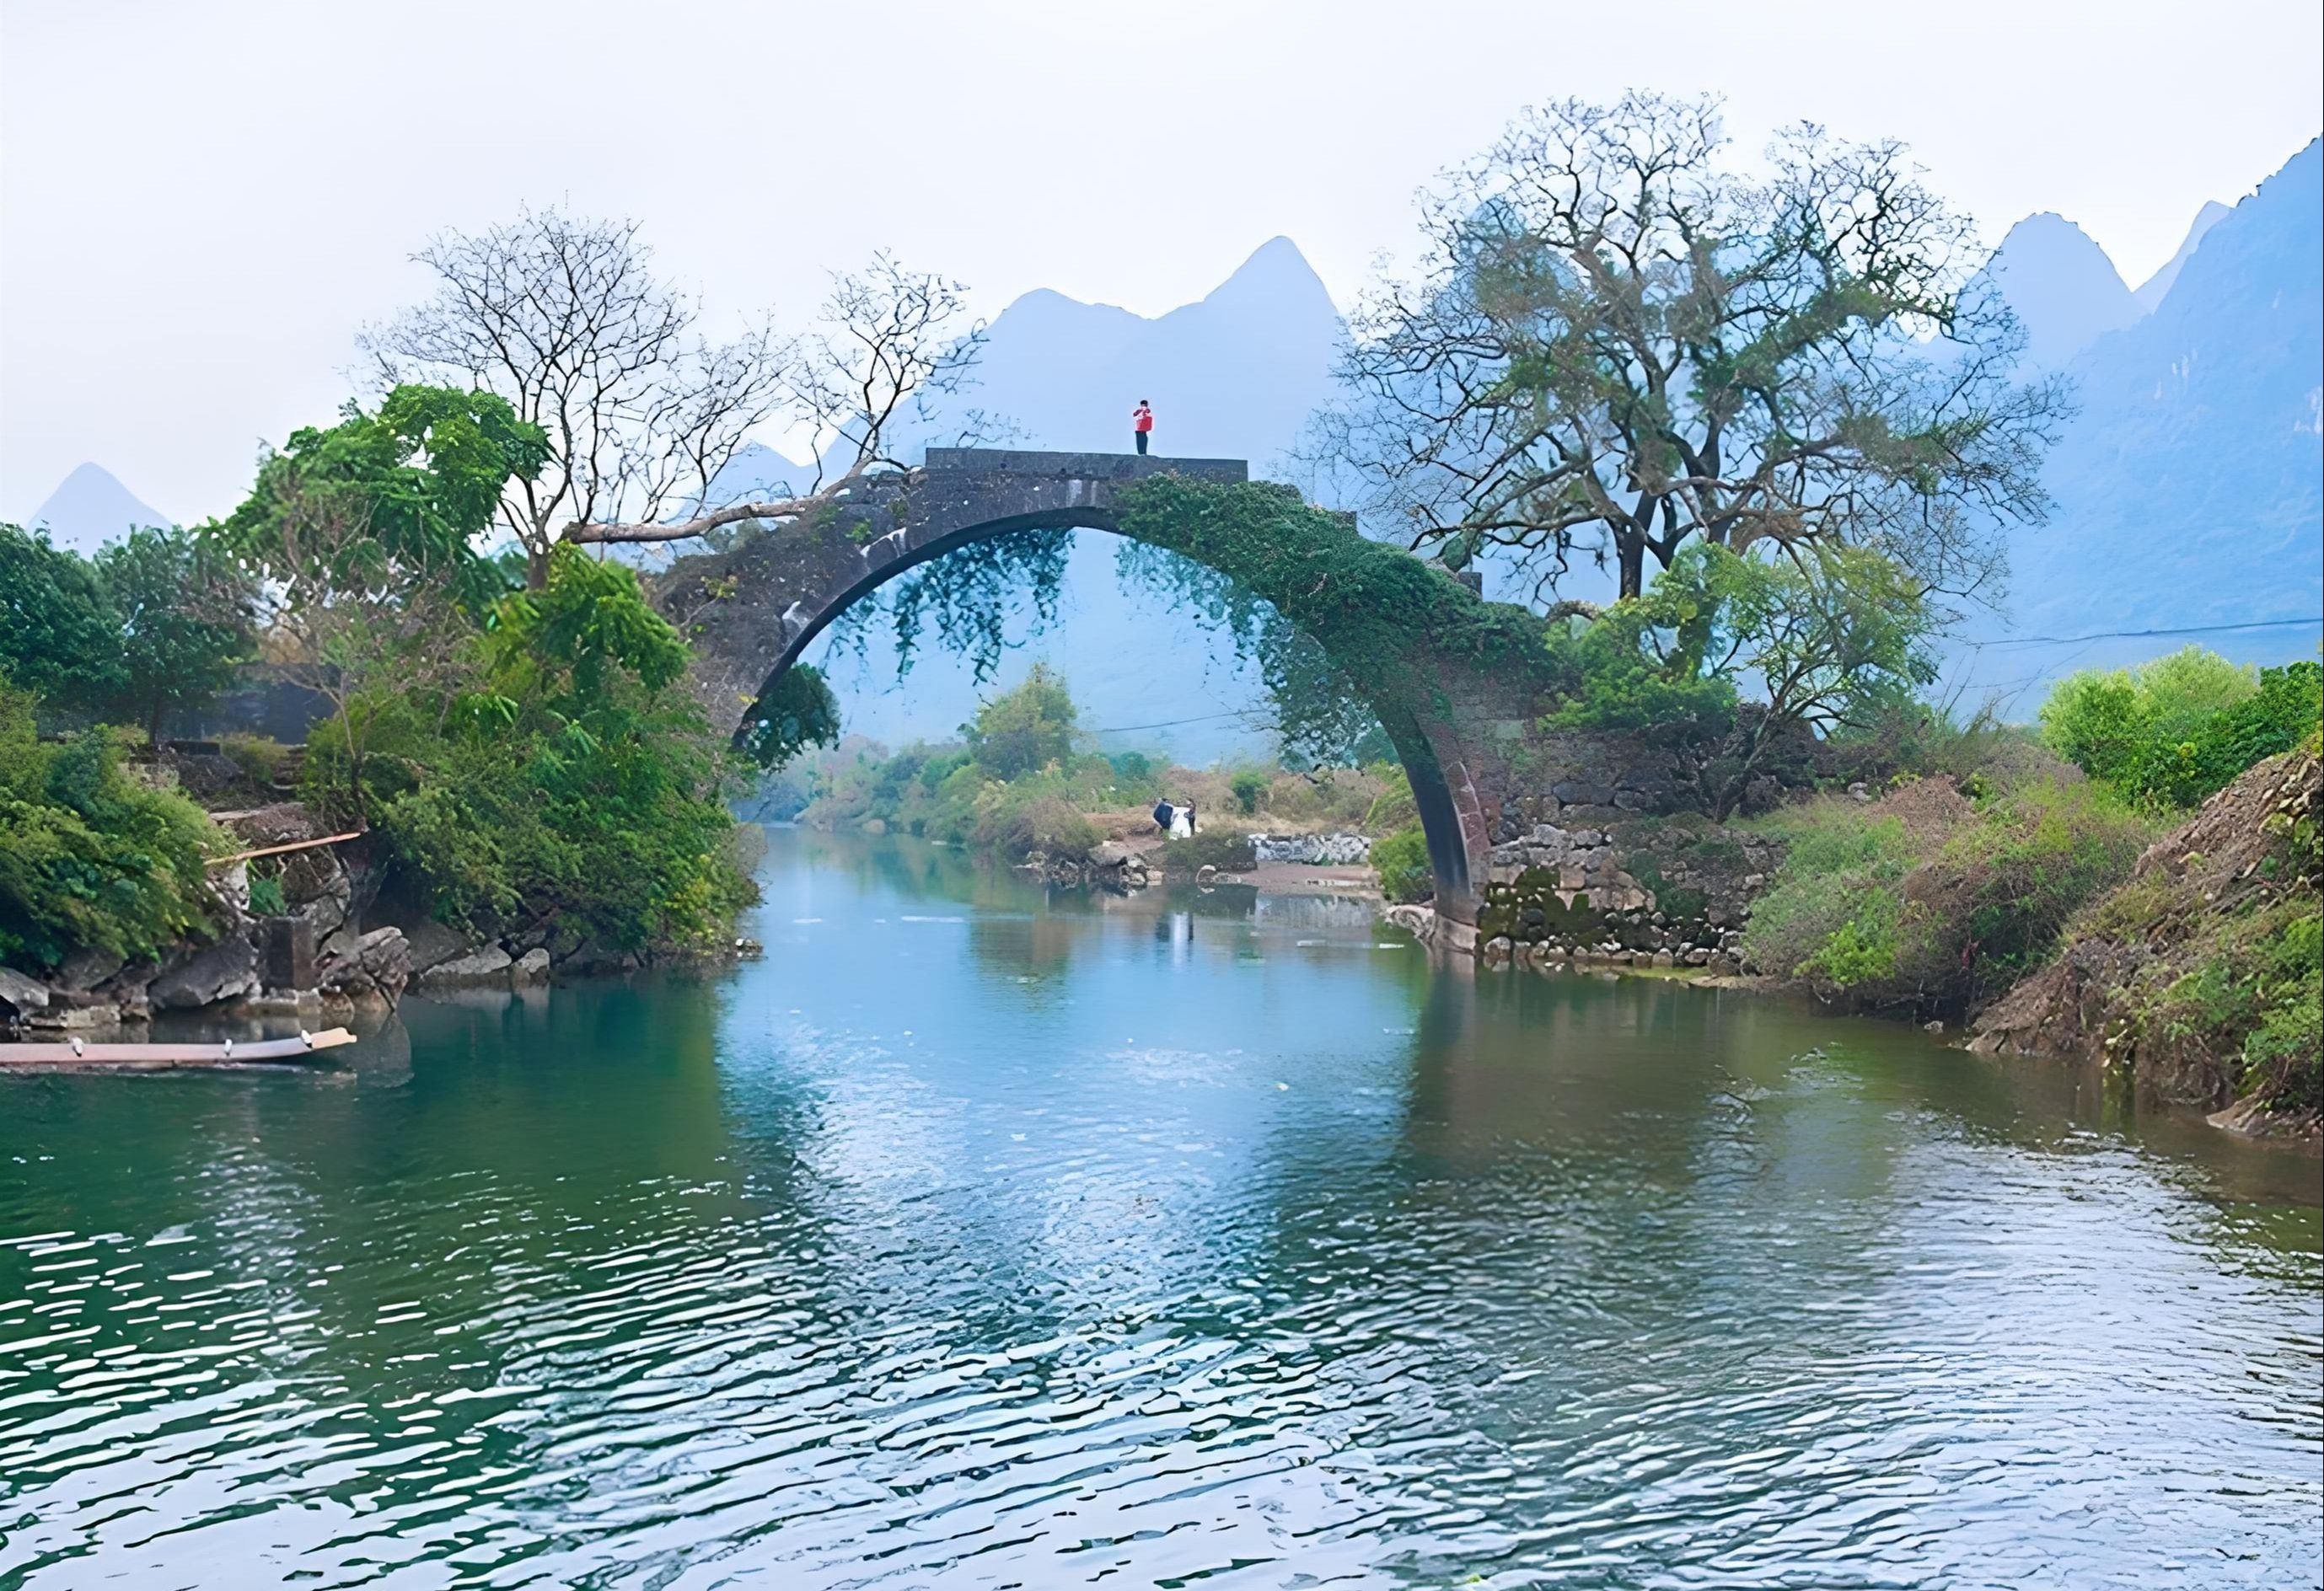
(1144, 417)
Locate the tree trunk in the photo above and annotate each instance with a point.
(1631, 548)
(536, 569)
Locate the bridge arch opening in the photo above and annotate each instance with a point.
(756, 608)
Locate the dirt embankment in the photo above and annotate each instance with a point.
(2198, 975)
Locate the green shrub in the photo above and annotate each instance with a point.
(1135, 772)
(266, 899)
(1401, 861)
(1249, 784)
(259, 758)
(89, 859)
(2188, 755)
(1835, 909)
(2176, 730)
(1047, 824)
(2256, 996)
(562, 777)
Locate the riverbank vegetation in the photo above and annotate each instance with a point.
(2138, 877)
(91, 861)
(514, 736)
(1022, 779)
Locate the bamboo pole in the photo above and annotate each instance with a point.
(220, 862)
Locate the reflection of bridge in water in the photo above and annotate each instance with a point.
(1453, 712)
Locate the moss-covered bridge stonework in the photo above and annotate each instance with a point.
(1457, 681)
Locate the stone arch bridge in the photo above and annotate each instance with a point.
(1458, 715)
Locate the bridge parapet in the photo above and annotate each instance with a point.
(1080, 466)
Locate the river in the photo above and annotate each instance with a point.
(977, 1238)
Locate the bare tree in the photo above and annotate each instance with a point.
(565, 318)
(886, 341)
(1614, 345)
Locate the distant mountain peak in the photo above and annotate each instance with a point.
(1275, 270)
(2150, 292)
(2062, 285)
(91, 508)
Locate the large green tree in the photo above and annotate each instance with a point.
(57, 630)
(183, 614)
(1827, 638)
(1025, 729)
(386, 497)
(1616, 345)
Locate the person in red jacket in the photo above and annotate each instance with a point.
(1142, 422)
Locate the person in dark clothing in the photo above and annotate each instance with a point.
(1141, 423)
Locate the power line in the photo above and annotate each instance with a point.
(1124, 729)
(2132, 635)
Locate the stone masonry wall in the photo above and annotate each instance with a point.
(1644, 891)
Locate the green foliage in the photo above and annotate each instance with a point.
(1832, 636)
(154, 625)
(1393, 808)
(89, 859)
(1249, 784)
(589, 621)
(368, 503)
(259, 758)
(1025, 730)
(1401, 860)
(266, 899)
(184, 619)
(972, 591)
(59, 634)
(1049, 825)
(2283, 1054)
(2256, 995)
(556, 777)
(2174, 731)
(1135, 772)
(1333, 619)
(1836, 903)
(797, 710)
(2006, 885)
(1937, 919)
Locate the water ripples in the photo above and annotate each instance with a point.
(1611, 1292)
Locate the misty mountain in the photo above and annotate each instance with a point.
(2062, 287)
(92, 508)
(2150, 292)
(2191, 487)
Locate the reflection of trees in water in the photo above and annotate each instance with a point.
(1035, 947)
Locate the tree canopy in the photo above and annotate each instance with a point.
(388, 495)
(1614, 345)
(58, 635)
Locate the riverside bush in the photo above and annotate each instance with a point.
(1401, 860)
(1939, 917)
(2172, 732)
(90, 859)
(558, 777)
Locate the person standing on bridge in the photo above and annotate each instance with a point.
(1141, 423)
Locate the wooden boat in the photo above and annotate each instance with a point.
(85, 1054)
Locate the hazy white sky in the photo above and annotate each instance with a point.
(201, 200)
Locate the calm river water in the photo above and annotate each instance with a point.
(976, 1239)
